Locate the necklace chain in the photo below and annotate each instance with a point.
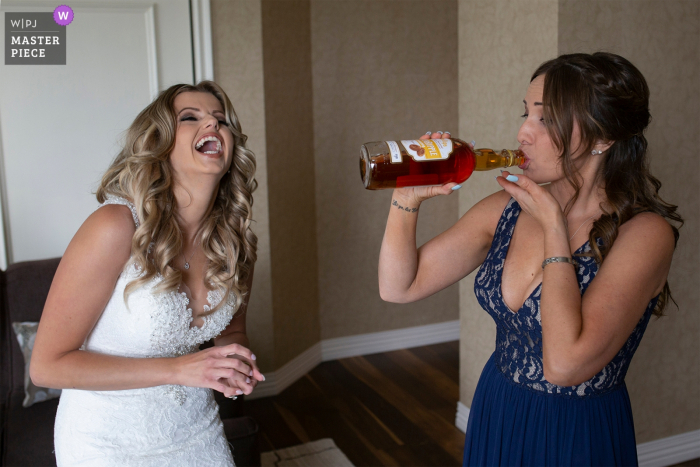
(579, 227)
(187, 262)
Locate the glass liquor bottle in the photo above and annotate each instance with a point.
(398, 164)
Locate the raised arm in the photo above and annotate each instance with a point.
(408, 273)
(83, 284)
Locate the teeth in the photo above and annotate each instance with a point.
(209, 138)
(218, 149)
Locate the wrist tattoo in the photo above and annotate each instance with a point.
(394, 203)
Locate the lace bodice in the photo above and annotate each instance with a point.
(154, 324)
(154, 426)
(519, 334)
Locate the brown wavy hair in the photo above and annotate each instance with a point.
(142, 174)
(608, 98)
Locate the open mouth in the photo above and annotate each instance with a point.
(209, 145)
(525, 163)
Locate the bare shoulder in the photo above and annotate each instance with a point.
(648, 229)
(107, 234)
(643, 251)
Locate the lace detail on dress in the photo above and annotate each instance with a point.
(519, 334)
(173, 335)
(111, 199)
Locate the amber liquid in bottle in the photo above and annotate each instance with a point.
(379, 172)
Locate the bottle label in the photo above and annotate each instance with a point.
(428, 149)
(395, 152)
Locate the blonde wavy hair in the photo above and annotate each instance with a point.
(142, 173)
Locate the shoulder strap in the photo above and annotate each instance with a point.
(124, 202)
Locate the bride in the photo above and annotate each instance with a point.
(165, 264)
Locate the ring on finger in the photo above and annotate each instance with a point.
(232, 397)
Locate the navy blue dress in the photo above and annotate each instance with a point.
(519, 418)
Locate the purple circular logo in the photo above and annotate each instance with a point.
(63, 15)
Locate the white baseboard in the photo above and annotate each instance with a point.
(462, 417)
(277, 381)
(386, 341)
(658, 453)
(352, 346)
(668, 451)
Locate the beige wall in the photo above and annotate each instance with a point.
(313, 80)
(378, 74)
(662, 38)
(501, 42)
(290, 175)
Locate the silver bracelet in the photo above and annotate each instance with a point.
(558, 259)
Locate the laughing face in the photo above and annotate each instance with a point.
(203, 142)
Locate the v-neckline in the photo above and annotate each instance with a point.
(190, 309)
(514, 219)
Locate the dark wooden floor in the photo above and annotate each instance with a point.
(389, 409)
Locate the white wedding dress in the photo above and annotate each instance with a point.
(158, 426)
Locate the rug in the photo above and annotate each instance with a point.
(321, 453)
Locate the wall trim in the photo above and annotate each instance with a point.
(462, 417)
(202, 48)
(352, 346)
(279, 380)
(668, 451)
(386, 341)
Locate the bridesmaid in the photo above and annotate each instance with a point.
(573, 255)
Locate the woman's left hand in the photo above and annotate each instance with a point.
(245, 383)
(533, 199)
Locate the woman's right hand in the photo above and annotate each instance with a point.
(212, 368)
(412, 197)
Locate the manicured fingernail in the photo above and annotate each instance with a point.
(253, 357)
(473, 143)
(456, 187)
(512, 178)
(238, 391)
(501, 171)
(247, 380)
(439, 132)
(251, 373)
(263, 376)
(428, 133)
(448, 133)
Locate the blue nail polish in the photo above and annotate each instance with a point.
(473, 143)
(456, 187)
(512, 178)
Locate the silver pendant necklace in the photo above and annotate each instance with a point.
(187, 262)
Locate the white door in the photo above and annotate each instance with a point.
(61, 125)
